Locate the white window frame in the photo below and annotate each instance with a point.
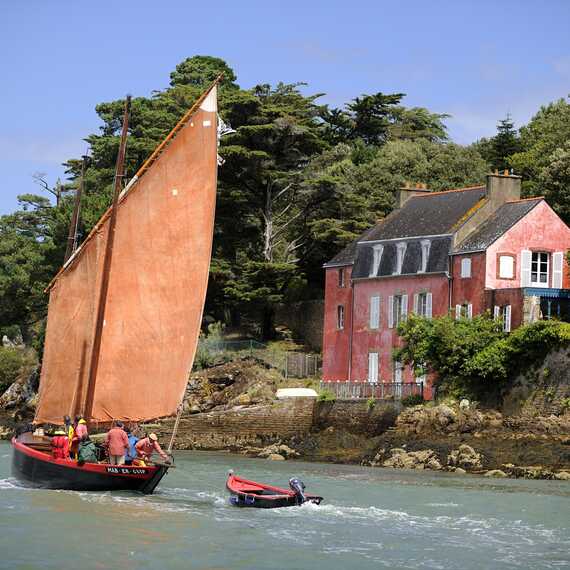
(503, 313)
(423, 304)
(340, 317)
(373, 366)
(397, 310)
(465, 267)
(426, 245)
(400, 253)
(376, 259)
(374, 321)
(507, 318)
(506, 267)
(464, 311)
(341, 277)
(398, 372)
(539, 272)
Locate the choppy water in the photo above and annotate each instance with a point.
(371, 518)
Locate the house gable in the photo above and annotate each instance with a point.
(541, 229)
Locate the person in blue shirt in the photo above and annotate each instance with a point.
(132, 452)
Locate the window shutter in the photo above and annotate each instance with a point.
(508, 318)
(526, 257)
(457, 311)
(374, 312)
(469, 311)
(372, 367)
(404, 307)
(429, 305)
(416, 299)
(391, 312)
(496, 312)
(557, 264)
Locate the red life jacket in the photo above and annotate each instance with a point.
(60, 447)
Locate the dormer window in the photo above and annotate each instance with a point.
(400, 252)
(376, 258)
(426, 244)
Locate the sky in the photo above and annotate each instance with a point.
(474, 59)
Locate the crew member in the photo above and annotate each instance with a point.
(60, 445)
(131, 454)
(146, 446)
(87, 451)
(81, 428)
(68, 428)
(117, 444)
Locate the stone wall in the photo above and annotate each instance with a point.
(258, 426)
(305, 319)
(248, 426)
(541, 391)
(357, 416)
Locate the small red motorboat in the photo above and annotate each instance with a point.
(245, 493)
(33, 463)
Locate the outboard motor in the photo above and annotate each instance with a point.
(298, 487)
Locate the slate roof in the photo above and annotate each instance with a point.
(430, 214)
(438, 258)
(500, 222)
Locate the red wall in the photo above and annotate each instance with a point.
(469, 289)
(383, 340)
(336, 345)
(540, 230)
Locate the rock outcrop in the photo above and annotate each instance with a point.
(465, 457)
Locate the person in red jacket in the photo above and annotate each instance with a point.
(117, 444)
(60, 445)
(147, 446)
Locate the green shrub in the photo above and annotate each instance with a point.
(326, 396)
(474, 358)
(11, 362)
(370, 403)
(413, 400)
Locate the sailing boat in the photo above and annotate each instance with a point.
(125, 309)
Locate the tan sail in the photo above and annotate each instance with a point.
(157, 286)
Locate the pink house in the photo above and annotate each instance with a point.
(462, 252)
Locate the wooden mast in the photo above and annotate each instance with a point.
(72, 237)
(100, 318)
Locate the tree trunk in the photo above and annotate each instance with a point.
(267, 326)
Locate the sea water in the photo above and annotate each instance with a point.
(371, 518)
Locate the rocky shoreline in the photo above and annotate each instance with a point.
(232, 408)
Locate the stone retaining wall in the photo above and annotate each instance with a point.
(357, 416)
(263, 425)
(248, 426)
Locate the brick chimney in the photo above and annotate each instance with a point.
(503, 188)
(402, 195)
(500, 188)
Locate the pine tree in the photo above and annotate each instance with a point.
(504, 144)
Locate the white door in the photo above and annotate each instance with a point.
(372, 367)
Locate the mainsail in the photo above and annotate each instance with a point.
(157, 287)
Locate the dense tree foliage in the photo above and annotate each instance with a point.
(300, 180)
(473, 357)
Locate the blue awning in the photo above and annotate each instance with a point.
(548, 293)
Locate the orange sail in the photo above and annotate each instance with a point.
(157, 287)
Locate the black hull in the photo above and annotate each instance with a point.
(261, 502)
(45, 474)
